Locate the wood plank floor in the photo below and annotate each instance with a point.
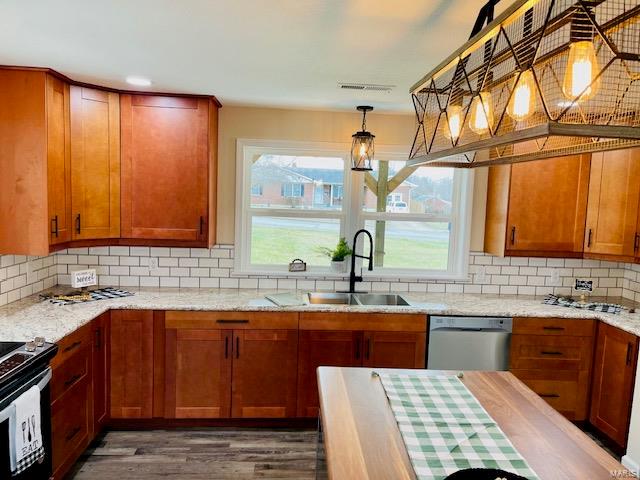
(192, 454)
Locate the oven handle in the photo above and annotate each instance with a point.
(7, 412)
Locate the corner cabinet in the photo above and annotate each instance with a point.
(167, 168)
(538, 208)
(613, 380)
(95, 163)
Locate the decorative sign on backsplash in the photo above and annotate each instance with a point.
(83, 278)
(584, 285)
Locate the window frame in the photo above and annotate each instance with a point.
(351, 216)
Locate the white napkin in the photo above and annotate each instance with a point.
(25, 435)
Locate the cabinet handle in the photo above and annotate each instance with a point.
(72, 380)
(543, 352)
(98, 339)
(513, 235)
(367, 348)
(629, 353)
(357, 344)
(222, 320)
(201, 225)
(237, 347)
(72, 434)
(589, 238)
(636, 242)
(226, 347)
(553, 328)
(54, 226)
(73, 346)
(78, 223)
(549, 395)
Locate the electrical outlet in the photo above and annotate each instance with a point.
(153, 264)
(555, 276)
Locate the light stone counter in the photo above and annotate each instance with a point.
(31, 317)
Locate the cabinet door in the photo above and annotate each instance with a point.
(264, 373)
(58, 160)
(323, 348)
(131, 363)
(197, 373)
(164, 168)
(95, 163)
(100, 330)
(612, 212)
(547, 205)
(394, 349)
(613, 379)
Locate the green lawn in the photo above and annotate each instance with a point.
(277, 245)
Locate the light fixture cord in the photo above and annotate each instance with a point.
(364, 120)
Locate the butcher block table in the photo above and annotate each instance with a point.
(362, 440)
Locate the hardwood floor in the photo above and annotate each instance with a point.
(194, 454)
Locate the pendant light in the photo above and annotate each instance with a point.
(582, 69)
(523, 100)
(454, 122)
(481, 117)
(362, 145)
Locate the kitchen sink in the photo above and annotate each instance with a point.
(381, 299)
(339, 298)
(331, 298)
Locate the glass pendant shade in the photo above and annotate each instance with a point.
(454, 122)
(481, 113)
(362, 145)
(523, 99)
(582, 70)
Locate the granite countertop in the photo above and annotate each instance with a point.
(31, 317)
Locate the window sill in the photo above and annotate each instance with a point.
(385, 276)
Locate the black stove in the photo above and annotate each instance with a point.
(18, 359)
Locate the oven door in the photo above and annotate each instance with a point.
(38, 471)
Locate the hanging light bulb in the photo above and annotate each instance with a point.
(481, 117)
(454, 122)
(582, 69)
(523, 100)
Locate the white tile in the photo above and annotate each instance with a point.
(219, 272)
(435, 288)
(225, 263)
(207, 262)
(188, 262)
(179, 252)
(283, 283)
(108, 260)
(454, 288)
(167, 262)
(187, 282)
(139, 251)
(159, 252)
(98, 250)
(120, 251)
(380, 287)
(230, 283)
(133, 261)
(129, 281)
(209, 282)
(78, 251)
(149, 281)
(220, 253)
(179, 272)
(248, 283)
(199, 252)
(118, 270)
(169, 282)
(199, 272)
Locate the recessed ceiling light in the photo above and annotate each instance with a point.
(138, 81)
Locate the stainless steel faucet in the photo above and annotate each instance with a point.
(353, 278)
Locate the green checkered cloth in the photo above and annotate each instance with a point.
(445, 429)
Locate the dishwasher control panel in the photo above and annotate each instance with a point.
(471, 323)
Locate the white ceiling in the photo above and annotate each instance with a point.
(284, 53)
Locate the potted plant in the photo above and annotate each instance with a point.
(337, 255)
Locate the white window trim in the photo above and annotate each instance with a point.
(351, 216)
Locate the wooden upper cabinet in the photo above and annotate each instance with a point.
(538, 208)
(131, 363)
(264, 373)
(394, 349)
(166, 168)
(612, 213)
(613, 380)
(95, 163)
(34, 161)
(197, 373)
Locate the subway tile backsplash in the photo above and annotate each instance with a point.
(21, 276)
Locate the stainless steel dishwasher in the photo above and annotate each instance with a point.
(469, 343)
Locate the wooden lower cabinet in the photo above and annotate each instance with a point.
(131, 364)
(197, 373)
(613, 379)
(394, 349)
(100, 328)
(264, 373)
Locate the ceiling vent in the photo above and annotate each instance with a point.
(372, 87)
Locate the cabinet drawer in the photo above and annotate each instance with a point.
(551, 352)
(71, 344)
(231, 320)
(554, 326)
(565, 390)
(72, 371)
(70, 426)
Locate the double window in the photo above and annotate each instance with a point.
(309, 198)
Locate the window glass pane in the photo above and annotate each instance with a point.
(285, 181)
(278, 240)
(416, 245)
(426, 190)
